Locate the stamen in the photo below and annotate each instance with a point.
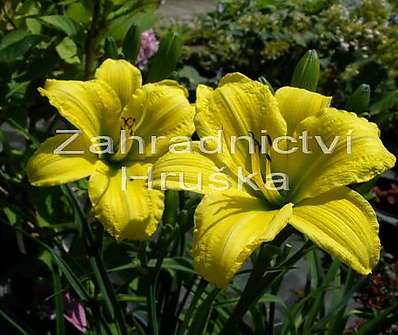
(267, 188)
(128, 125)
(269, 139)
(273, 195)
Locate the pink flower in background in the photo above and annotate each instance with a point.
(75, 313)
(149, 46)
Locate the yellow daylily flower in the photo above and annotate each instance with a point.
(115, 100)
(230, 224)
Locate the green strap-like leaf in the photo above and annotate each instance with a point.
(165, 60)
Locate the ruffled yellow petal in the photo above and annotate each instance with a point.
(359, 154)
(47, 169)
(342, 223)
(159, 109)
(131, 213)
(228, 227)
(238, 107)
(122, 76)
(296, 104)
(191, 171)
(91, 106)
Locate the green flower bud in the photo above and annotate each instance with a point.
(132, 43)
(307, 72)
(359, 100)
(110, 48)
(165, 60)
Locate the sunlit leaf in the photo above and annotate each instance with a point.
(62, 23)
(67, 50)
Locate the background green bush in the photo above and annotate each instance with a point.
(357, 42)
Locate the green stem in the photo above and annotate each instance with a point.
(195, 300)
(152, 297)
(98, 266)
(271, 316)
(249, 294)
(258, 283)
(169, 221)
(185, 298)
(15, 323)
(59, 302)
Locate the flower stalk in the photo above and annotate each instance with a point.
(261, 279)
(97, 265)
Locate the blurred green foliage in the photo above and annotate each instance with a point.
(63, 39)
(357, 42)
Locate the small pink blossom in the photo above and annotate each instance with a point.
(149, 46)
(75, 313)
